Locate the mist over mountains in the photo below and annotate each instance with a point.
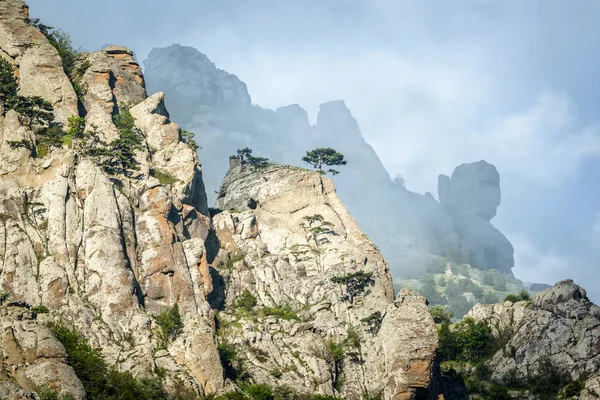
(406, 226)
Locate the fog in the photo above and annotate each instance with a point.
(432, 85)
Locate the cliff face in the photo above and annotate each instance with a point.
(547, 346)
(299, 249)
(405, 225)
(104, 252)
(560, 325)
(101, 252)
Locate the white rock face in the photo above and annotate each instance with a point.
(103, 253)
(275, 256)
(560, 325)
(40, 68)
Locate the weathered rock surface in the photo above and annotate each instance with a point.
(286, 263)
(471, 197)
(40, 69)
(103, 253)
(560, 326)
(36, 357)
(106, 253)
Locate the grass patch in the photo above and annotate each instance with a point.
(164, 177)
(284, 312)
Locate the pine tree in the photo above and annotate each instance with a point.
(324, 156)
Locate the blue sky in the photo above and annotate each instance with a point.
(432, 84)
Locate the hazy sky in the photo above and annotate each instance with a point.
(432, 84)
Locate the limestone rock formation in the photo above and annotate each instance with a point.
(103, 253)
(316, 279)
(560, 326)
(106, 251)
(471, 197)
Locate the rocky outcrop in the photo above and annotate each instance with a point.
(471, 197)
(39, 66)
(36, 357)
(200, 81)
(558, 330)
(104, 253)
(316, 278)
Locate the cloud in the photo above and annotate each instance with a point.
(549, 265)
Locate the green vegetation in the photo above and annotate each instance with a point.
(8, 83)
(265, 392)
(245, 157)
(246, 301)
(231, 361)
(522, 296)
(61, 42)
(355, 283)
(336, 358)
(441, 315)
(118, 156)
(170, 324)
(458, 287)
(47, 393)
(40, 309)
(317, 229)
(285, 312)
(373, 322)
(187, 137)
(466, 341)
(164, 177)
(68, 54)
(33, 111)
(324, 156)
(102, 382)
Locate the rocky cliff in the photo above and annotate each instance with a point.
(547, 347)
(301, 251)
(560, 326)
(106, 243)
(405, 225)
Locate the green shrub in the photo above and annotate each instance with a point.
(246, 301)
(497, 392)
(522, 296)
(187, 137)
(373, 322)
(170, 323)
(467, 341)
(40, 309)
(440, 314)
(336, 355)
(47, 393)
(100, 381)
(573, 388)
(118, 156)
(232, 363)
(285, 313)
(276, 373)
(259, 392)
(355, 283)
(164, 177)
(547, 380)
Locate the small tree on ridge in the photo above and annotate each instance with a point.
(324, 156)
